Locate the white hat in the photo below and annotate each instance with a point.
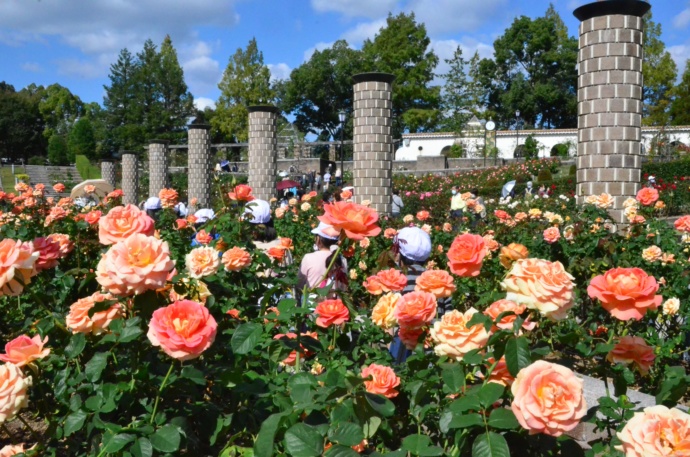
(529, 183)
(204, 215)
(181, 209)
(326, 231)
(259, 211)
(652, 178)
(415, 243)
(152, 204)
(350, 188)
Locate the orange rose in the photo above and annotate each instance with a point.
(59, 188)
(242, 192)
(548, 399)
(234, 313)
(383, 313)
(203, 237)
(626, 293)
(202, 261)
(183, 330)
(358, 221)
(506, 323)
(422, 215)
(390, 280)
(287, 243)
(121, 222)
(466, 255)
(346, 195)
(415, 309)
(24, 350)
(135, 265)
(541, 285)
(409, 336)
(453, 338)
(331, 312)
(66, 245)
(391, 232)
(447, 227)
(647, 196)
(633, 350)
(236, 259)
(92, 217)
(17, 266)
(511, 253)
(682, 224)
(291, 359)
(500, 373)
(13, 391)
(79, 321)
(89, 188)
(383, 380)
(437, 282)
(551, 235)
(168, 197)
(491, 244)
(181, 224)
(656, 431)
(277, 253)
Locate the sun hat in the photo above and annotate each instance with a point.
(415, 243)
(257, 211)
(204, 215)
(152, 204)
(326, 231)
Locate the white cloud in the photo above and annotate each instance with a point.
(366, 30)
(279, 71)
(355, 8)
(77, 68)
(445, 49)
(320, 46)
(680, 54)
(32, 67)
(446, 16)
(682, 20)
(202, 73)
(202, 103)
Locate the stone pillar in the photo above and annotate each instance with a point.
(158, 166)
(373, 154)
(263, 144)
(199, 165)
(610, 100)
(130, 177)
(108, 172)
(332, 152)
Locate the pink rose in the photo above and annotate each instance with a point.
(184, 329)
(24, 350)
(633, 350)
(548, 399)
(656, 431)
(506, 323)
(79, 321)
(626, 293)
(48, 253)
(13, 391)
(121, 222)
(17, 266)
(551, 235)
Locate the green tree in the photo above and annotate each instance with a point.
(402, 48)
(21, 124)
(148, 89)
(122, 115)
(246, 81)
(60, 109)
(659, 72)
(58, 151)
(82, 140)
(458, 96)
(680, 107)
(176, 102)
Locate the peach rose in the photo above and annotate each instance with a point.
(391, 232)
(383, 380)
(415, 309)
(511, 253)
(548, 399)
(541, 285)
(121, 222)
(447, 227)
(604, 201)
(89, 188)
(17, 265)
(491, 244)
(356, 220)
(287, 243)
(242, 192)
(384, 281)
(408, 218)
(682, 224)
(466, 255)
(13, 391)
(135, 265)
(647, 196)
(305, 206)
(453, 338)
(656, 431)
(183, 330)
(671, 307)
(236, 259)
(383, 313)
(500, 373)
(279, 212)
(202, 261)
(506, 323)
(24, 350)
(11, 450)
(59, 188)
(652, 253)
(633, 350)
(66, 245)
(437, 282)
(551, 235)
(346, 195)
(422, 215)
(92, 217)
(48, 253)
(291, 359)
(203, 237)
(79, 321)
(168, 197)
(626, 293)
(331, 312)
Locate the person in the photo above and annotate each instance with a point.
(234, 168)
(313, 270)
(317, 181)
(651, 181)
(479, 205)
(457, 204)
(338, 177)
(326, 180)
(204, 215)
(152, 206)
(258, 213)
(398, 204)
(181, 209)
(529, 191)
(542, 191)
(312, 179)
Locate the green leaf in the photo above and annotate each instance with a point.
(464, 420)
(371, 426)
(490, 445)
(74, 422)
(503, 418)
(95, 366)
(75, 346)
(245, 338)
(142, 448)
(166, 439)
(302, 440)
(381, 404)
(130, 333)
(420, 445)
(470, 402)
(341, 451)
(346, 433)
(263, 446)
(194, 375)
(117, 442)
(454, 377)
(673, 387)
(490, 393)
(517, 355)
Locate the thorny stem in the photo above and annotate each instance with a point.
(158, 395)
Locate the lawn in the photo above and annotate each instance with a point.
(7, 178)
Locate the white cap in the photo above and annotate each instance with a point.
(326, 231)
(181, 209)
(415, 243)
(204, 215)
(652, 178)
(529, 183)
(152, 204)
(350, 188)
(257, 211)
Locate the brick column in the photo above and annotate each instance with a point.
(158, 166)
(610, 100)
(199, 165)
(263, 144)
(373, 155)
(130, 177)
(108, 172)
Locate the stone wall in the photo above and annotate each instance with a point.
(108, 173)
(263, 150)
(199, 166)
(158, 166)
(130, 178)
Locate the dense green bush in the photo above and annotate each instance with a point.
(544, 176)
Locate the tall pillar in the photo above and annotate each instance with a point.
(373, 155)
(108, 172)
(158, 166)
(610, 100)
(130, 178)
(199, 165)
(263, 143)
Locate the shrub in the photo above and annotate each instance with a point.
(544, 176)
(37, 160)
(86, 169)
(573, 170)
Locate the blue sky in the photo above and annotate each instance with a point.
(73, 42)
